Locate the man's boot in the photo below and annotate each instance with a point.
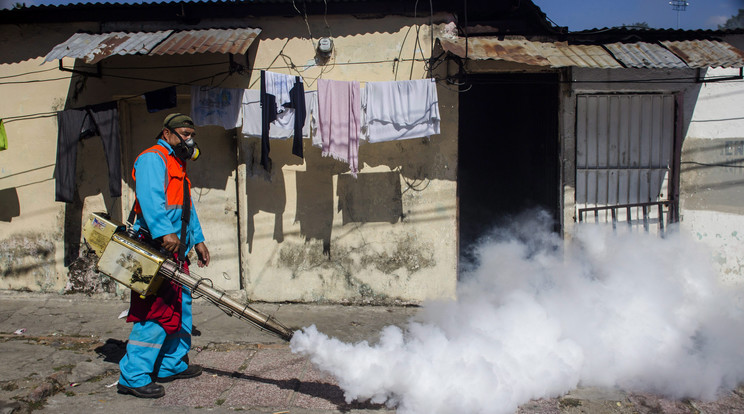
(151, 390)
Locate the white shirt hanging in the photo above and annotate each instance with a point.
(401, 110)
(216, 106)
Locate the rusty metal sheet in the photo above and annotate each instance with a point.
(645, 55)
(707, 53)
(520, 50)
(236, 41)
(94, 47)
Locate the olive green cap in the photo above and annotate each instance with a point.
(174, 121)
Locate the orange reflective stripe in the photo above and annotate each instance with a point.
(173, 181)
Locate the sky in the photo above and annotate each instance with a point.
(589, 14)
(585, 14)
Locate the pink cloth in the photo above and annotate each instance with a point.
(339, 120)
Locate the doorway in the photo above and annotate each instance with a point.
(508, 151)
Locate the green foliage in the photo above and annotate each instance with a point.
(638, 25)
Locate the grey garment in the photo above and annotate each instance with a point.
(76, 124)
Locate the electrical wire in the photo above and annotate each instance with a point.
(38, 80)
(28, 117)
(704, 164)
(27, 73)
(304, 15)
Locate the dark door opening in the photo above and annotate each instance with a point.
(508, 151)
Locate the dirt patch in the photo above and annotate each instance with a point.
(82, 276)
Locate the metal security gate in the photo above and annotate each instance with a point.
(624, 149)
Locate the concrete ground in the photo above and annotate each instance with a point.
(66, 361)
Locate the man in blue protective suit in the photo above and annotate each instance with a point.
(161, 334)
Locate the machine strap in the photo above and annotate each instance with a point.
(185, 217)
(132, 214)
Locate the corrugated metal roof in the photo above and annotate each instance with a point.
(668, 54)
(706, 53)
(95, 47)
(520, 50)
(235, 41)
(645, 55)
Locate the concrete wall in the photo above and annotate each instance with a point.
(712, 183)
(307, 231)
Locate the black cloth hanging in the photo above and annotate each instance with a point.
(77, 124)
(160, 99)
(269, 115)
(297, 96)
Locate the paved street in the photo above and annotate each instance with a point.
(66, 361)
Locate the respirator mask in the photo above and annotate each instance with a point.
(186, 150)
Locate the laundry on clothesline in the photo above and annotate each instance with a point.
(398, 110)
(3, 137)
(280, 93)
(216, 106)
(251, 118)
(334, 117)
(339, 107)
(73, 125)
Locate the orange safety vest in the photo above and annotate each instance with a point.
(176, 173)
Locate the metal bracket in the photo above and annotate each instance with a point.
(699, 79)
(98, 73)
(234, 66)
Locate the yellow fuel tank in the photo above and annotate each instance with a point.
(125, 260)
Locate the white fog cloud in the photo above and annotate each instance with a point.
(534, 320)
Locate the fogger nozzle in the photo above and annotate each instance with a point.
(229, 305)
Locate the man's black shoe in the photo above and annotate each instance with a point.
(190, 372)
(151, 390)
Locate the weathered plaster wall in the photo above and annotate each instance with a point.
(712, 183)
(31, 222)
(315, 233)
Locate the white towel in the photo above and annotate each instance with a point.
(401, 110)
(251, 118)
(216, 106)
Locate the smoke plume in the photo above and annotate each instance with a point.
(536, 318)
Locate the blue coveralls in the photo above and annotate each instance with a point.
(150, 349)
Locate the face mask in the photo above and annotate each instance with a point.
(187, 150)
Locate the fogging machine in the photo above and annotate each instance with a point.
(142, 267)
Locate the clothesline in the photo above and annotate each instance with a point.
(335, 116)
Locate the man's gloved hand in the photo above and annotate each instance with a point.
(171, 243)
(203, 254)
